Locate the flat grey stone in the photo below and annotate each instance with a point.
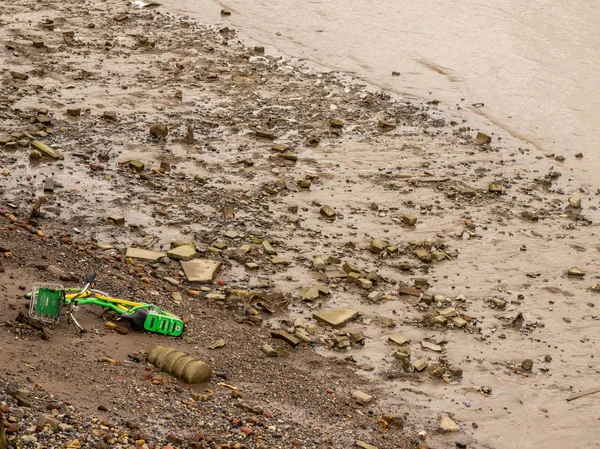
(202, 271)
(336, 317)
(145, 254)
(183, 252)
(398, 339)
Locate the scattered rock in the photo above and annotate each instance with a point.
(159, 130)
(576, 272)
(201, 271)
(336, 317)
(328, 211)
(447, 425)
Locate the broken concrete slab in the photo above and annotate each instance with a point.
(398, 339)
(431, 346)
(420, 365)
(361, 397)
(447, 425)
(328, 211)
(336, 317)
(268, 248)
(285, 336)
(183, 252)
(201, 271)
(144, 254)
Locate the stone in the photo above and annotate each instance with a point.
(49, 185)
(215, 296)
(144, 254)
(377, 246)
(431, 346)
(310, 294)
(183, 252)
(527, 365)
(341, 342)
(318, 264)
(420, 365)
(201, 271)
(361, 397)
(438, 256)
(410, 291)
(447, 425)
(178, 243)
(576, 272)
(136, 165)
(350, 268)
(374, 296)
(336, 317)
(336, 123)
(45, 149)
(38, 44)
(459, 322)
(189, 134)
(383, 124)
(303, 335)
(305, 183)
(285, 336)
(356, 336)
(456, 371)
(409, 220)
(468, 192)
(364, 283)
(328, 211)
(440, 319)
(19, 76)
(575, 202)
(74, 112)
(393, 420)
(268, 248)
(117, 220)
(528, 215)
(398, 339)
(495, 187)
(265, 134)
(423, 254)
(110, 115)
(171, 281)
(159, 130)
(448, 312)
(482, 139)
(35, 155)
(364, 445)
(353, 277)
(499, 303)
(269, 350)
(46, 420)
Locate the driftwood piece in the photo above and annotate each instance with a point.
(583, 393)
(44, 334)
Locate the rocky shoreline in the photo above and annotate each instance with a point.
(357, 269)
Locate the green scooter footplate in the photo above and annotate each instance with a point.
(162, 324)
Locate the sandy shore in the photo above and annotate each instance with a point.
(316, 192)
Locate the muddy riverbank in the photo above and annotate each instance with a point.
(449, 245)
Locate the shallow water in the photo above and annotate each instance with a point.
(532, 64)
